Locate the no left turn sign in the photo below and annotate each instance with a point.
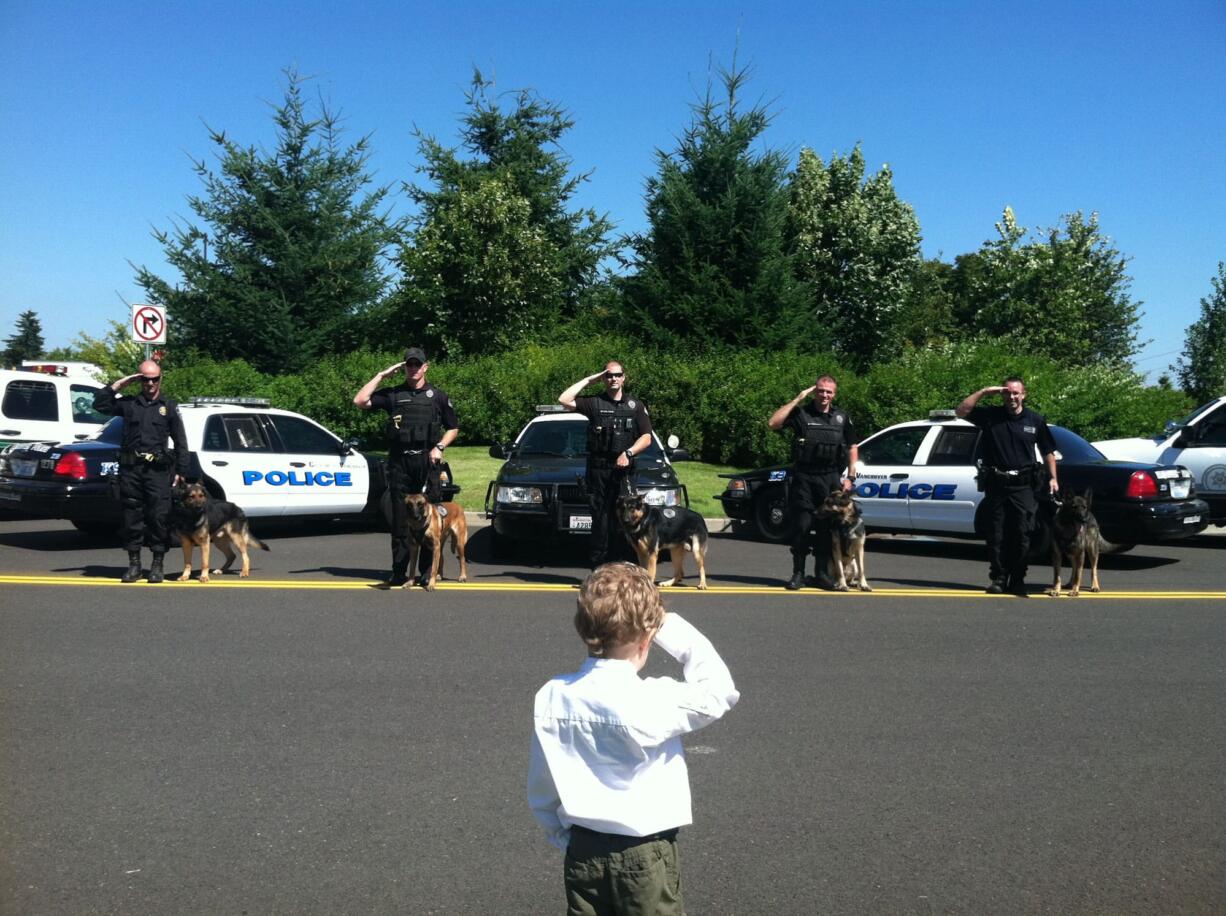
(149, 323)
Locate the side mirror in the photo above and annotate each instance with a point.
(1170, 427)
(497, 451)
(679, 454)
(1185, 439)
(347, 446)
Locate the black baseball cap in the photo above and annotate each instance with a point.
(416, 353)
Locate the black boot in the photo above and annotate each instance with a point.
(155, 569)
(798, 575)
(133, 572)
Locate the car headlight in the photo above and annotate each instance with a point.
(524, 496)
(660, 497)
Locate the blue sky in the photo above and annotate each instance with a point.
(1046, 107)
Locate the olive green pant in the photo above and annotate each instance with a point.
(609, 875)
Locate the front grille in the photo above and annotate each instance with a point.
(571, 493)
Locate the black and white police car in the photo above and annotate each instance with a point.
(539, 490)
(919, 478)
(273, 463)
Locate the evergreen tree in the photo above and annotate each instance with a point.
(26, 341)
(712, 265)
(290, 249)
(1202, 367)
(496, 252)
(856, 245)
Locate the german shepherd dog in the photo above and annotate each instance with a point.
(426, 523)
(652, 529)
(1074, 534)
(847, 535)
(198, 519)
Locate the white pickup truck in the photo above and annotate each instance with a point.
(1198, 442)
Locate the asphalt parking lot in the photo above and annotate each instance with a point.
(302, 742)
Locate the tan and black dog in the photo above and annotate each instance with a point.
(847, 535)
(652, 529)
(426, 523)
(1074, 534)
(198, 519)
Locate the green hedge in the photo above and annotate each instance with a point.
(716, 402)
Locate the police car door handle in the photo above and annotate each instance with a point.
(899, 476)
(221, 464)
(297, 464)
(10, 432)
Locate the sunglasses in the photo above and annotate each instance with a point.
(151, 378)
(614, 374)
(413, 365)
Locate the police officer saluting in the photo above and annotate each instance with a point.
(420, 423)
(1009, 476)
(823, 444)
(147, 469)
(618, 429)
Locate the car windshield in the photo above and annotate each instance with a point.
(1074, 448)
(1186, 421)
(565, 438)
(111, 433)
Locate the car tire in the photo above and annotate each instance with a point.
(770, 515)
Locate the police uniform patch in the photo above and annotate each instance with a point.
(429, 392)
(669, 513)
(630, 404)
(838, 418)
(162, 410)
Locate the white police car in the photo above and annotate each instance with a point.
(1198, 442)
(919, 478)
(272, 463)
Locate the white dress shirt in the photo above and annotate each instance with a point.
(606, 746)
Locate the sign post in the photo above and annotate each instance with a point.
(148, 325)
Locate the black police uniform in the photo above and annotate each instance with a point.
(146, 468)
(1010, 477)
(416, 421)
(613, 426)
(820, 446)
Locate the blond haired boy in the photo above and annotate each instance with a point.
(607, 777)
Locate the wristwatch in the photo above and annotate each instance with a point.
(439, 446)
(629, 454)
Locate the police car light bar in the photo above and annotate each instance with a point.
(550, 408)
(944, 414)
(241, 402)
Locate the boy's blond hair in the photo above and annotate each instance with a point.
(618, 604)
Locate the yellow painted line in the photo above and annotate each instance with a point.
(231, 582)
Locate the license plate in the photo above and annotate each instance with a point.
(1192, 520)
(1180, 488)
(23, 467)
(580, 523)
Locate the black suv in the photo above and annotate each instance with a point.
(539, 492)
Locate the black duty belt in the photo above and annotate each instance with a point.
(1018, 475)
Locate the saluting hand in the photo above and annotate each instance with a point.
(806, 393)
(392, 369)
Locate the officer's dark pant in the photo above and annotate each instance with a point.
(406, 474)
(806, 492)
(1010, 509)
(144, 491)
(606, 482)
